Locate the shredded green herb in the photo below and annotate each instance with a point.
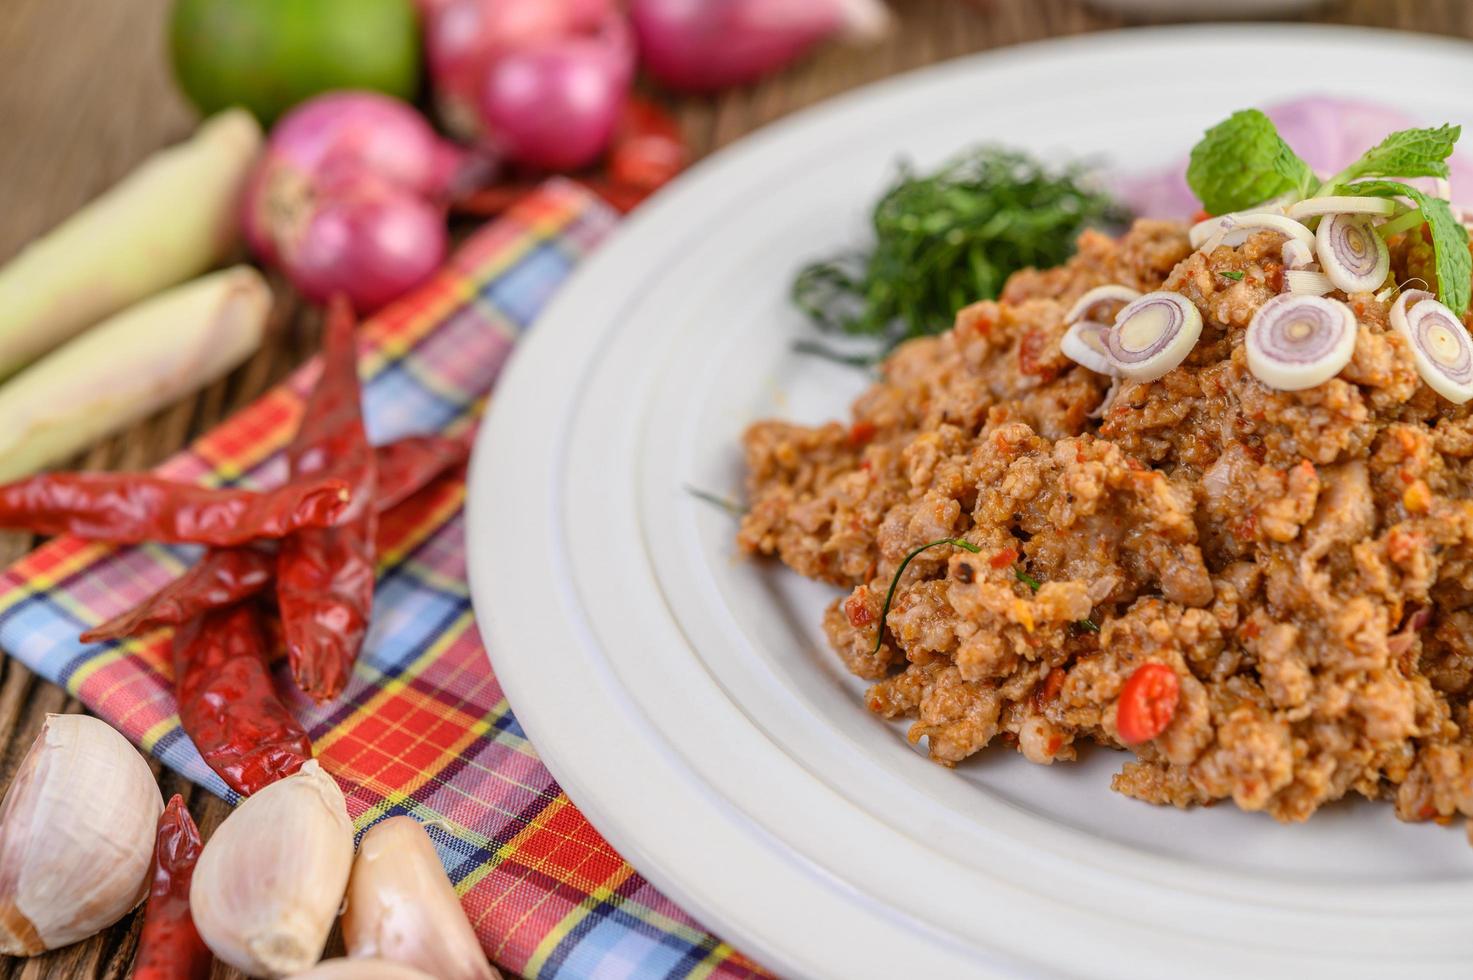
(895, 582)
(716, 500)
(950, 238)
(1236, 275)
(1034, 585)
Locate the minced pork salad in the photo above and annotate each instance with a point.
(1204, 493)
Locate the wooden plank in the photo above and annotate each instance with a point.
(85, 94)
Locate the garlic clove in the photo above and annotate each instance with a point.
(362, 969)
(76, 835)
(271, 878)
(402, 907)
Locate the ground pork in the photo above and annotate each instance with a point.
(1302, 561)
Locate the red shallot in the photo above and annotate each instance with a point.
(463, 38)
(703, 45)
(349, 197)
(556, 104)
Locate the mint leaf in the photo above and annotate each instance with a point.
(1449, 239)
(1407, 153)
(1242, 161)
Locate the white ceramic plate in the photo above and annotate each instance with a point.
(685, 698)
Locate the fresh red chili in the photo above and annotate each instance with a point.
(228, 705)
(128, 508)
(325, 576)
(223, 577)
(647, 150)
(1147, 703)
(169, 946)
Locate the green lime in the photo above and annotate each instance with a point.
(268, 55)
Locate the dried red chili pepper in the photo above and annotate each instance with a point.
(1147, 703)
(325, 576)
(128, 508)
(407, 466)
(228, 705)
(169, 946)
(223, 577)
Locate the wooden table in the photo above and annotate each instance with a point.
(85, 92)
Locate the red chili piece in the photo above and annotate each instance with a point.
(325, 576)
(227, 703)
(169, 946)
(647, 151)
(223, 577)
(409, 465)
(1147, 703)
(128, 508)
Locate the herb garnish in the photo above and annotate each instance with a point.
(1242, 162)
(895, 582)
(948, 239)
(1236, 275)
(716, 500)
(1034, 585)
(1449, 238)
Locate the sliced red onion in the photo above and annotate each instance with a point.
(1087, 306)
(1315, 207)
(1235, 228)
(1440, 345)
(1297, 342)
(1351, 253)
(1152, 335)
(1084, 343)
(1296, 254)
(1306, 282)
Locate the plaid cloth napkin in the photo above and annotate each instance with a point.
(423, 728)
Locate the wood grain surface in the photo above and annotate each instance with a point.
(85, 93)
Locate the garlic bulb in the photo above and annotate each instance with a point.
(402, 907)
(270, 880)
(76, 835)
(360, 969)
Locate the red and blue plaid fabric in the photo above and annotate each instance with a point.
(423, 728)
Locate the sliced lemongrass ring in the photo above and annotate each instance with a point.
(1085, 307)
(1408, 299)
(1305, 282)
(1351, 253)
(1297, 342)
(1316, 207)
(1296, 254)
(1084, 344)
(1235, 228)
(1442, 349)
(1152, 335)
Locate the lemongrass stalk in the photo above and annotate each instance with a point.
(175, 216)
(129, 366)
